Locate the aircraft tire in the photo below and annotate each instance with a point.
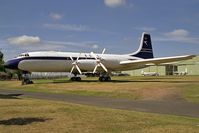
(100, 79)
(108, 78)
(75, 79)
(78, 79)
(104, 79)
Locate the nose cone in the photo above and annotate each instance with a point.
(12, 64)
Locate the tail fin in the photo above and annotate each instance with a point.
(145, 50)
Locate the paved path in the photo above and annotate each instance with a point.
(163, 107)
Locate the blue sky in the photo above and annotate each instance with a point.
(91, 25)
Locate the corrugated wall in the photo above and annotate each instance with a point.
(192, 68)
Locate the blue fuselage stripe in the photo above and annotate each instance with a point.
(13, 64)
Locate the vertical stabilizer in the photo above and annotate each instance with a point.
(145, 50)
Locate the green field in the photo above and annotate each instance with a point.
(24, 115)
(36, 116)
(137, 88)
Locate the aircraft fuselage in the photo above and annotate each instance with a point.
(51, 61)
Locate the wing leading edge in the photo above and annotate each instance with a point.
(156, 61)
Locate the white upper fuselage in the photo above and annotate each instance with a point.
(51, 61)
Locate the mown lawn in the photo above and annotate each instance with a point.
(40, 116)
(138, 88)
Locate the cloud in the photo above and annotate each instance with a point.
(177, 35)
(146, 29)
(76, 28)
(86, 44)
(55, 16)
(47, 45)
(114, 3)
(24, 40)
(95, 46)
(65, 43)
(43, 47)
(67, 27)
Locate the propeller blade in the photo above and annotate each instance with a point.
(80, 72)
(77, 58)
(98, 61)
(72, 69)
(71, 58)
(103, 67)
(95, 69)
(103, 51)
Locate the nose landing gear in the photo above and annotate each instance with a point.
(26, 79)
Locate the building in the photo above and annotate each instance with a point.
(187, 67)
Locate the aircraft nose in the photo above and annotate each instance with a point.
(11, 64)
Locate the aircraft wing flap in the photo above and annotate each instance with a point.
(156, 61)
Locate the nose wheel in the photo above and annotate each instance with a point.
(26, 79)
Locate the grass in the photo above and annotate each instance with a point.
(138, 88)
(191, 92)
(30, 115)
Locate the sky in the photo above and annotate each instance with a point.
(92, 25)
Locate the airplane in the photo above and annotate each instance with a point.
(149, 73)
(185, 72)
(80, 63)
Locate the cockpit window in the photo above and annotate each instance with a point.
(24, 55)
(21, 55)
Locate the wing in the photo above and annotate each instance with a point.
(156, 61)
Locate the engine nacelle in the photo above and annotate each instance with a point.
(87, 64)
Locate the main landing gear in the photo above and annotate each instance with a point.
(75, 78)
(104, 78)
(26, 79)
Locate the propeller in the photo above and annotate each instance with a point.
(75, 65)
(98, 61)
(103, 51)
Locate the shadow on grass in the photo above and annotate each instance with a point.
(124, 81)
(10, 96)
(22, 121)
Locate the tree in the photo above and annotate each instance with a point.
(1, 56)
(1, 62)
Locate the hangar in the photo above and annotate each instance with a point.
(187, 67)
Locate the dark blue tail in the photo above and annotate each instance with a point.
(145, 50)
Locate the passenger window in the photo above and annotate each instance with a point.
(26, 55)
